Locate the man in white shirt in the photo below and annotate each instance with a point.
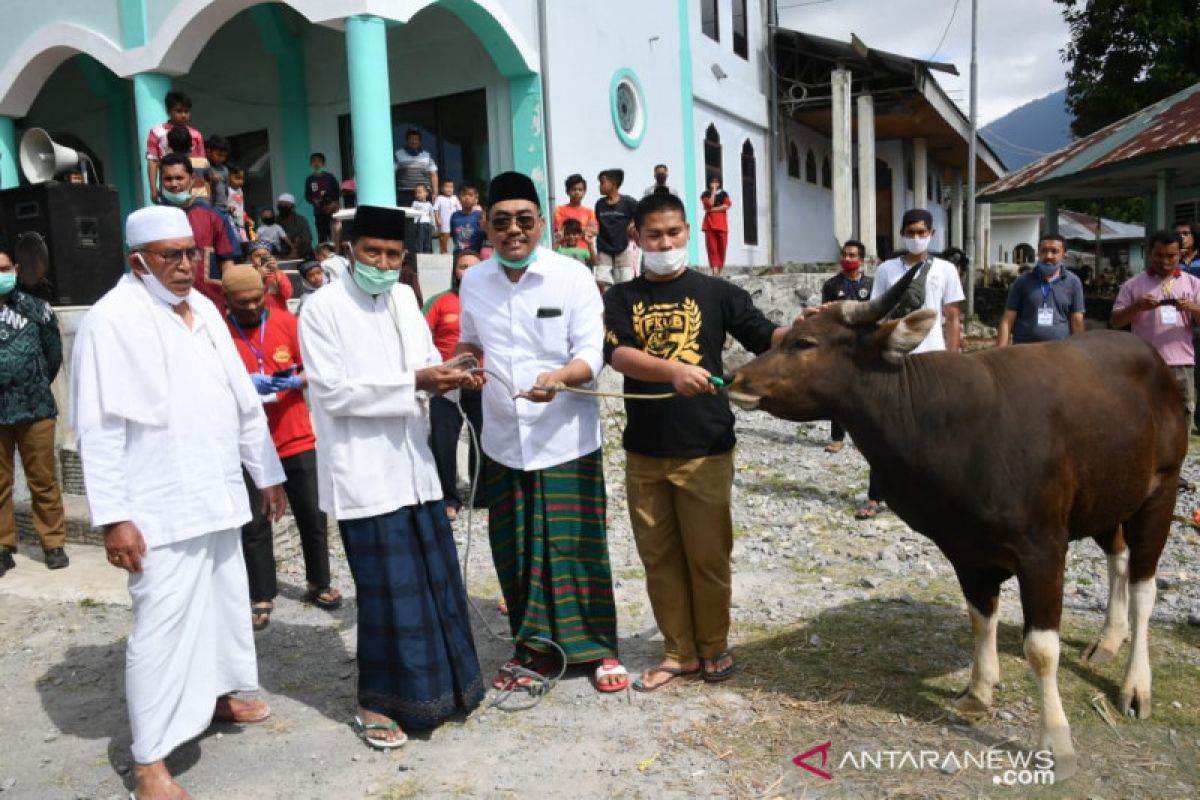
(936, 286)
(537, 318)
(166, 417)
(368, 355)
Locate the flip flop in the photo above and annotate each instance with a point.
(607, 667)
(674, 672)
(364, 729)
(718, 675)
(327, 598)
(232, 716)
(260, 615)
(868, 511)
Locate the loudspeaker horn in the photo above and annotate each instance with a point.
(42, 158)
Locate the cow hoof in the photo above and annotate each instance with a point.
(967, 703)
(1065, 766)
(1135, 703)
(1097, 653)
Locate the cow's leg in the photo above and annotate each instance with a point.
(1041, 600)
(1145, 534)
(982, 590)
(1116, 620)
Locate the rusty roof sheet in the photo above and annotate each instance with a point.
(1166, 125)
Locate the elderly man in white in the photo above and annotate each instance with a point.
(166, 416)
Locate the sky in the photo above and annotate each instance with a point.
(1019, 41)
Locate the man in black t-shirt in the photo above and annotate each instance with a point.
(666, 330)
(615, 258)
(849, 284)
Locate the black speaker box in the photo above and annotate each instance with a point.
(80, 226)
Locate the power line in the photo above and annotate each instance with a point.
(942, 41)
(806, 3)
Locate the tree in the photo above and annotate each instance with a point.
(1127, 54)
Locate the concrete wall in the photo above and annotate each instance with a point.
(1008, 232)
(805, 210)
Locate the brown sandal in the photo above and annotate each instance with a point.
(260, 615)
(326, 597)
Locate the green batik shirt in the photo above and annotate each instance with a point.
(30, 357)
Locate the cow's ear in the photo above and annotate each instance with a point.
(900, 337)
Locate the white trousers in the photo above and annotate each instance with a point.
(191, 643)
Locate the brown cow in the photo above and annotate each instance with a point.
(1002, 457)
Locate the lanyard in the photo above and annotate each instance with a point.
(262, 335)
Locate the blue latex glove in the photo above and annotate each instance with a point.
(290, 382)
(264, 384)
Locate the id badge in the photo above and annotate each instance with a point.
(1045, 317)
(1168, 315)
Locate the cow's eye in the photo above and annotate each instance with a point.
(802, 344)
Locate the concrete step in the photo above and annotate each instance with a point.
(89, 578)
(79, 521)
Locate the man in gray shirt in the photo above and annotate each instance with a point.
(414, 167)
(1046, 303)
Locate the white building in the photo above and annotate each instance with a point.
(548, 88)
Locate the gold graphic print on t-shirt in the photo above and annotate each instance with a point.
(669, 331)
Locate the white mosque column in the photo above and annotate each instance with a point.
(8, 153)
(866, 173)
(956, 209)
(843, 190)
(920, 173)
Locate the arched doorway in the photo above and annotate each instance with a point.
(712, 155)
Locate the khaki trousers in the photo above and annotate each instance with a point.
(679, 510)
(35, 442)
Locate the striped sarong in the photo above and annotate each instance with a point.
(550, 548)
(416, 657)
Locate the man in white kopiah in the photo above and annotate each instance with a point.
(166, 417)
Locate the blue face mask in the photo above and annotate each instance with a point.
(1047, 270)
(522, 264)
(8, 282)
(373, 280)
(176, 198)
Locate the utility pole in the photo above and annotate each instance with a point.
(971, 244)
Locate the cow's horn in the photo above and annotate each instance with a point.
(877, 309)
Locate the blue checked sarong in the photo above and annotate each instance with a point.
(416, 657)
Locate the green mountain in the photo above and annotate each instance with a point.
(1030, 131)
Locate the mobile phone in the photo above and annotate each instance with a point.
(283, 373)
(1169, 301)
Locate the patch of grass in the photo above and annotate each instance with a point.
(281, 726)
(88, 602)
(632, 572)
(401, 790)
(883, 677)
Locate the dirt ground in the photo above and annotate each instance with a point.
(846, 632)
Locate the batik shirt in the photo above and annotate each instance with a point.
(30, 357)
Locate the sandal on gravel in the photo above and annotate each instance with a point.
(610, 667)
(517, 674)
(672, 673)
(718, 675)
(364, 732)
(868, 511)
(327, 598)
(246, 717)
(260, 615)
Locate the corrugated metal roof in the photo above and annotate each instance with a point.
(1167, 125)
(1073, 225)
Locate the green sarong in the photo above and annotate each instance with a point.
(550, 547)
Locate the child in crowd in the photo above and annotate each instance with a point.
(333, 264)
(466, 226)
(217, 149)
(424, 209)
(237, 202)
(320, 186)
(179, 114)
(443, 209)
(573, 244)
(271, 234)
(575, 209)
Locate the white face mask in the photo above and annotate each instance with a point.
(155, 287)
(664, 262)
(916, 244)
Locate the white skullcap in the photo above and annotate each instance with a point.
(287, 197)
(156, 223)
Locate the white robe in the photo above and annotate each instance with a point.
(166, 417)
(361, 353)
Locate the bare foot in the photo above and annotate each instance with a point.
(154, 782)
(243, 712)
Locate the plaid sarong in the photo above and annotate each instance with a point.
(550, 548)
(416, 657)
